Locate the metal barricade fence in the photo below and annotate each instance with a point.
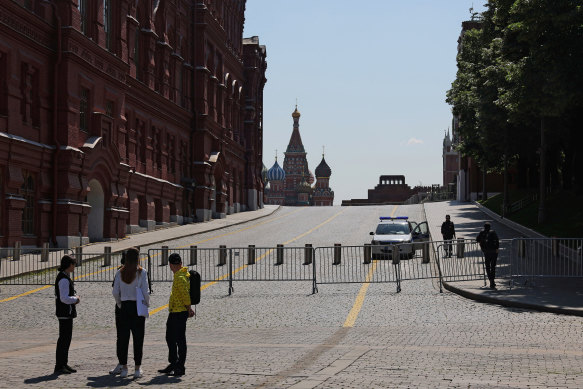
(213, 264)
(100, 267)
(504, 263)
(354, 264)
(238, 264)
(30, 266)
(521, 260)
(534, 258)
(273, 264)
(460, 260)
(422, 265)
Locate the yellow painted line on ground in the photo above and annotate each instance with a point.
(357, 306)
(156, 310)
(142, 259)
(351, 319)
(25, 293)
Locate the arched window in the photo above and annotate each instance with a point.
(27, 192)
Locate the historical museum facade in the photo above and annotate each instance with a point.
(118, 116)
(292, 184)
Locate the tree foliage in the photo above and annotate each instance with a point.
(523, 67)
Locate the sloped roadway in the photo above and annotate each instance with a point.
(279, 335)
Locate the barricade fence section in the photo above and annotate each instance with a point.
(273, 264)
(422, 265)
(519, 260)
(30, 266)
(213, 264)
(353, 264)
(99, 267)
(537, 258)
(460, 260)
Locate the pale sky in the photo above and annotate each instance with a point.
(370, 78)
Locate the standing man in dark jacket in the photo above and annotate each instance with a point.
(489, 243)
(65, 299)
(448, 233)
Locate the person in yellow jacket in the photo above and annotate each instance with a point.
(179, 311)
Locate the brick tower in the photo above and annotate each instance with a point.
(295, 164)
(323, 195)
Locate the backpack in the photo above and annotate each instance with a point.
(194, 287)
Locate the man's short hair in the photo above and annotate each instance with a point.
(487, 226)
(447, 216)
(175, 259)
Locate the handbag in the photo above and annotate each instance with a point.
(141, 300)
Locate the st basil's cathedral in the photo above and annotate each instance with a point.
(292, 184)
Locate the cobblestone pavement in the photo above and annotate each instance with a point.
(279, 335)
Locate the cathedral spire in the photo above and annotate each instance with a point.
(295, 142)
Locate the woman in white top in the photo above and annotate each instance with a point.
(127, 279)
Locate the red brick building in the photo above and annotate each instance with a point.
(119, 115)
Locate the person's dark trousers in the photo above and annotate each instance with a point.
(490, 259)
(176, 338)
(448, 247)
(130, 322)
(64, 342)
(117, 330)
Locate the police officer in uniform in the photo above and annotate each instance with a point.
(448, 233)
(489, 243)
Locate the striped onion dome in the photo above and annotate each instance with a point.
(276, 173)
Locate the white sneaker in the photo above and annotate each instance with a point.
(116, 370)
(138, 373)
(124, 372)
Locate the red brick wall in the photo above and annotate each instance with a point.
(144, 134)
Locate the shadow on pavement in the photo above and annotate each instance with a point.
(43, 378)
(107, 381)
(161, 380)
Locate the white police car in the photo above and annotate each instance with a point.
(400, 231)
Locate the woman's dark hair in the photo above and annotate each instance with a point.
(131, 265)
(66, 261)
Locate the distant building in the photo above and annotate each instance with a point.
(450, 164)
(292, 184)
(390, 190)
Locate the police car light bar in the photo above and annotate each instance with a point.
(394, 218)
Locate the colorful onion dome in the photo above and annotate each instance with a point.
(323, 170)
(276, 173)
(296, 113)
